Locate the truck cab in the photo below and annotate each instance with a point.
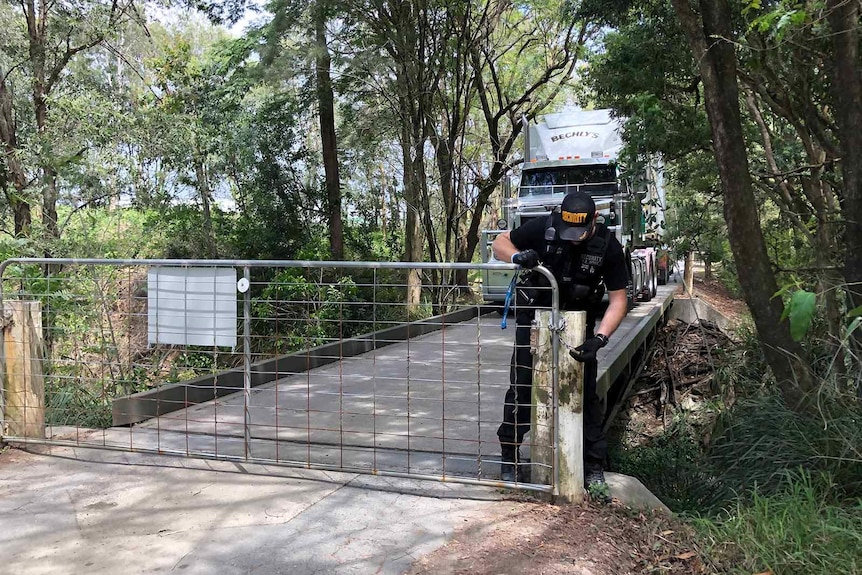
(577, 151)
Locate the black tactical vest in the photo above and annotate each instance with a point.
(576, 268)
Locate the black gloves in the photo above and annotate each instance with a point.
(526, 259)
(587, 350)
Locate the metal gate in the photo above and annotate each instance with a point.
(309, 364)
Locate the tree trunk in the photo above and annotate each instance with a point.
(23, 218)
(329, 143)
(37, 25)
(14, 180)
(50, 195)
(688, 274)
(710, 38)
(847, 88)
(446, 169)
(412, 233)
(206, 201)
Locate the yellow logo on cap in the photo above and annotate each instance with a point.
(575, 218)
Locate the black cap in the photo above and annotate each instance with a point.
(575, 217)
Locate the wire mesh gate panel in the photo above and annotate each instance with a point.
(313, 364)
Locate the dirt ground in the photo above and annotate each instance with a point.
(714, 293)
(536, 538)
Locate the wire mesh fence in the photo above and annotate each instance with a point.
(314, 364)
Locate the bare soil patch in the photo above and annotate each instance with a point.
(538, 538)
(714, 293)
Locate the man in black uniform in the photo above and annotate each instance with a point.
(585, 257)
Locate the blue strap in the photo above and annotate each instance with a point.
(508, 302)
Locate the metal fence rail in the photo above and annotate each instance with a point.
(313, 364)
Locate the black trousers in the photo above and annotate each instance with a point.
(517, 409)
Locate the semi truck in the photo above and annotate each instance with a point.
(580, 151)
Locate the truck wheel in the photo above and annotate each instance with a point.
(639, 280)
(647, 293)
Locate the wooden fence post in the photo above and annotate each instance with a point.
(570, 401)
(22, 374)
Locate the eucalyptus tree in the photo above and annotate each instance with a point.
(219, 120)
(523, 66)
(761, 73)
(41, 39)
(398, 57)
(186, 83)
(301, 29)
(459, 77)
(783, 57)
(426, 78)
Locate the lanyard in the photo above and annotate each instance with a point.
(508, 302)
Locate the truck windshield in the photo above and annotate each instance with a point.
(597, 180)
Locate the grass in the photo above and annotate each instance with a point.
(671, 467)
(795, 530)
(776, 492)
(73, 404)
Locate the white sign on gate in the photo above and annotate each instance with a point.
(192, 306)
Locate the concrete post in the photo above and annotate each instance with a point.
(570, 401)
(22, 373)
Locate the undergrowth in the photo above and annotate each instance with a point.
(795, 529)
(769, 489)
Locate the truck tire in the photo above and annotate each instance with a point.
(637, 279)
(647, 291)
(631, 296)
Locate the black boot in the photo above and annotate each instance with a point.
(594, 481)
(593, 473)
(510, 455)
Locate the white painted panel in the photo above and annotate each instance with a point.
(192, 306)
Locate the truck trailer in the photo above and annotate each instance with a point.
(579, 151)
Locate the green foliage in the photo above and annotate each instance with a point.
(117, 233)
(761, 438)
(183, 234)
(71, 402)
(16, 248)
(300, 313)
(795, 529)
(671, 467)
(729, 278)
(192, 363)
(600, 492)
(801, 312)
(771, 488)
(646, 74)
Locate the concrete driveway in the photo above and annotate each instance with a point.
(71, 511)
